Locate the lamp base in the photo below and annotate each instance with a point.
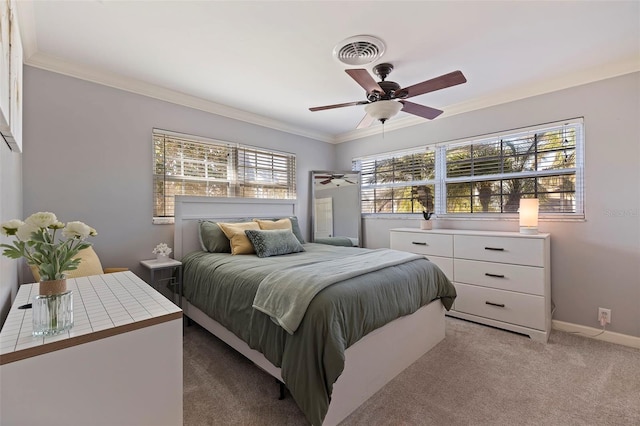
(528, 230)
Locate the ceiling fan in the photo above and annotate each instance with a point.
(386, 98)
(338, 177)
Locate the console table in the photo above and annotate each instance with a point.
(121, 362)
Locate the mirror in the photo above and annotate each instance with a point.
(335, 210)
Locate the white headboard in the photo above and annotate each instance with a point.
(189, 210)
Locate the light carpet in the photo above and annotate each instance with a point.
(478, 375)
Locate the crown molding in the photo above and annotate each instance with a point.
(57, 65)
(54, 64)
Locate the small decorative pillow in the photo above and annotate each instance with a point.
(274, 224)
(273, 242)
(240, 244)
(212, 239)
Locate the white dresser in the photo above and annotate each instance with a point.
(503, 279)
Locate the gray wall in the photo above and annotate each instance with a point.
(10, 208)
(595, 263)
(87, 157)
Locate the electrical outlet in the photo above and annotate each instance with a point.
(604, 315)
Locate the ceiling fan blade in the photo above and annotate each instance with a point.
(364, 79)
(320, 108)
(447, 80)
(420, 110)
(366, 121)
(324, 182)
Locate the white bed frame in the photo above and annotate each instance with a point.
(369, 364)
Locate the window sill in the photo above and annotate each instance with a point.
(163, 221)
(478, 217)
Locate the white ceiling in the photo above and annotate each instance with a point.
(267, 62)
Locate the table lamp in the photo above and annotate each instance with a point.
(528, 215)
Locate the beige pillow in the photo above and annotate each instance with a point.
(274, 224)
(240, 244)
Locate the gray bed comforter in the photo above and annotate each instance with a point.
(224, 287)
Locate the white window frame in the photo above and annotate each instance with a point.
(441, 180)
(391, 185)
(235, 181)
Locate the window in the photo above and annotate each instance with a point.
(189, 165)
(486, 175)
(398, 183)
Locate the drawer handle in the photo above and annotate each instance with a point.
(418, 244)
(499, 305)
(494, 275)
(494, 248)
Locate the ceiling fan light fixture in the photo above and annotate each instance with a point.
(383, 110)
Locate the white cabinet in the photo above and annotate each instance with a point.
(120, 364)
(503, 279)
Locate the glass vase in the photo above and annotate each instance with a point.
(52, 309)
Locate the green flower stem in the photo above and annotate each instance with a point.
(53, 312)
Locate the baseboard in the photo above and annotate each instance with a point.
(607, 336)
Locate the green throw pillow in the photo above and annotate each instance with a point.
(212, 239)
(273, 242)
(296, 228)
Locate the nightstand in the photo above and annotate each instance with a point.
(175, 280)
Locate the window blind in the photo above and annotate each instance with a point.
(485, 175)
(190, 165)
(490, 175)
(401, 182)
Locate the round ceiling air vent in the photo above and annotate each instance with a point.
(359, 50)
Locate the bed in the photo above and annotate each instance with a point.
(341, 352)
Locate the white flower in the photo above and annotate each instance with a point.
(76, 230)
(25, 230)
(57, 225)
(42, 219)
(10, 227)
(50, 255)
(162, 249)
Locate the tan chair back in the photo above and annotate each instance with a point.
(89, 265)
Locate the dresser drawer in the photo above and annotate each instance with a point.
(444, 263)
(515, 308)
(523, 279)
(423, 243)
(519, 251)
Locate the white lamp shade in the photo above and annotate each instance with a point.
(383, 110)
(528, 215)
